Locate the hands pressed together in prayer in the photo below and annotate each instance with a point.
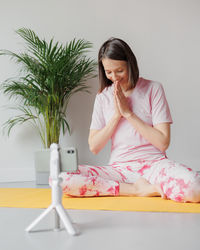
(122, 107)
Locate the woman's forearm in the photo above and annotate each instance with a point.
(158, 137)
(99, 138)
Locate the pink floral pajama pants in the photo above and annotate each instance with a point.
(174, 178)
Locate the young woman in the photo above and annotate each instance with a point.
(133, 112)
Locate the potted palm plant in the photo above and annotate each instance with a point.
(50, 73)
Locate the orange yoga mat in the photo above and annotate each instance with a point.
(41, 198)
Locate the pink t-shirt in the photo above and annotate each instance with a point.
(149, 103)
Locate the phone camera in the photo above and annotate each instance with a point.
(70, 151)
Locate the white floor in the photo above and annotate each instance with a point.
(100, 230)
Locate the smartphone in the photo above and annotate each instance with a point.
(68, 159)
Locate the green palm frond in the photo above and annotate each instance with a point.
(50, 74)
(26, 115)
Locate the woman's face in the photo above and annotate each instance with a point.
(116, 70)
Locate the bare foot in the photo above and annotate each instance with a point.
(146, 189)
(140, 188)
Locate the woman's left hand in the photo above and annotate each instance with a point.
(122, 101)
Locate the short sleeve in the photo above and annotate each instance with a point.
(160, 108)
(98, 120)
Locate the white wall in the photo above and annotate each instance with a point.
(165, 37)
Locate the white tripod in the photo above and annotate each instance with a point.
(56, 194)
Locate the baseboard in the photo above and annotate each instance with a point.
(16, 174)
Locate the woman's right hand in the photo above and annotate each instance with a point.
(117, 111)
(99, 138)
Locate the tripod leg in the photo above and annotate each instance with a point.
(38, 219)
(66, 220)
(57, 220)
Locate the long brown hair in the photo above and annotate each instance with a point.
(117, 49)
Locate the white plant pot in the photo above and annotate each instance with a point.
(68, 163)
(42, 166)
